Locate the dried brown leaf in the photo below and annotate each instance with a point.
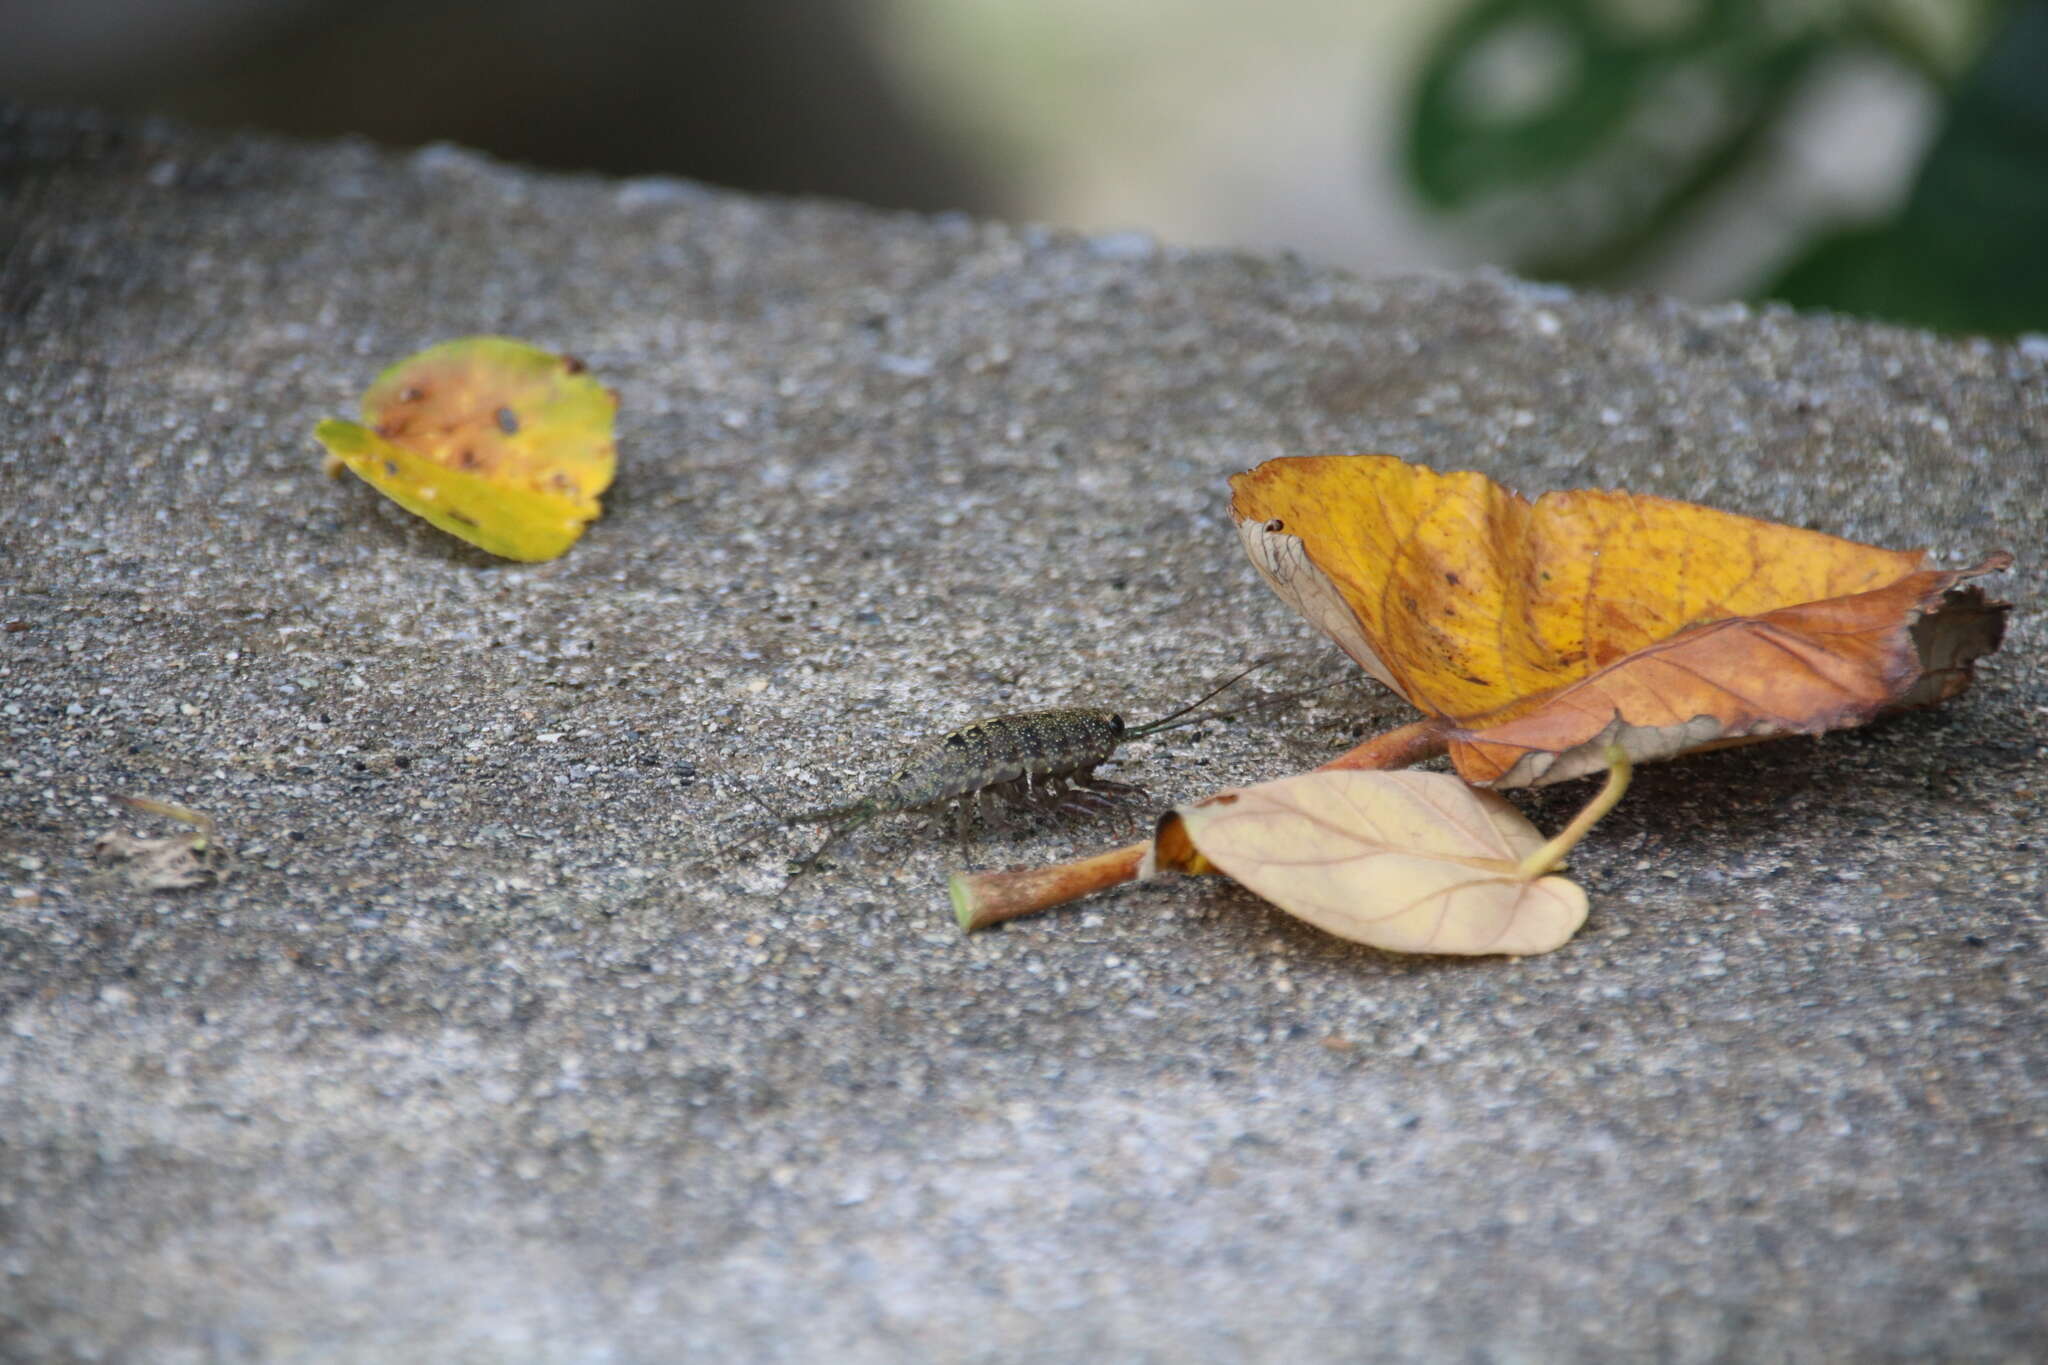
(1541, 633)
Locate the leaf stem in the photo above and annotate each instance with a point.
(1551, 854)
(1399, 748)
(984, 898)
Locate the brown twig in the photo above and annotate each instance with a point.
(984, 898)
(1404, 747)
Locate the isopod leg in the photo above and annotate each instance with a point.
(832, 836)
(1051, 793)
(1079, 801)
(966, 810)
(1108, 785)
(1097, 794)
(1013, 795)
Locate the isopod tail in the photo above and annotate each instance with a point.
(855, 812)
(864, 809)
(847, 819)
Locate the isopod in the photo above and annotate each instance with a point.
(1031, 760)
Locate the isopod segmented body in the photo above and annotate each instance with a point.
(1032, 758)
(1040, 760)
(1030, 748)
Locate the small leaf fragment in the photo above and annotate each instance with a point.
(170, 863)
(497, 442)
(1405, 861)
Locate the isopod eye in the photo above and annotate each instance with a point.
(1116, 725)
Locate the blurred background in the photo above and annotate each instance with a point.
(1883, 157)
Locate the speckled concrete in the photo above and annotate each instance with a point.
(472, 1060)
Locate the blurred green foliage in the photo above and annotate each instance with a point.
(1578, 136)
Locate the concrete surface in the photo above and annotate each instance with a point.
(471, 1060)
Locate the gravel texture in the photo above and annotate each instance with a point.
(475, 1058)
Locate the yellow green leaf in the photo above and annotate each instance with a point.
(500, 443)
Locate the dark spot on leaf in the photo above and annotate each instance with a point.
(1275, 527)
(572, 365)
(390, 469)
(454, 515)
(1453, 579)
(466, 458)
(411, 393)
(508, 421)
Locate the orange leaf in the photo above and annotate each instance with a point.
(1544, 631)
